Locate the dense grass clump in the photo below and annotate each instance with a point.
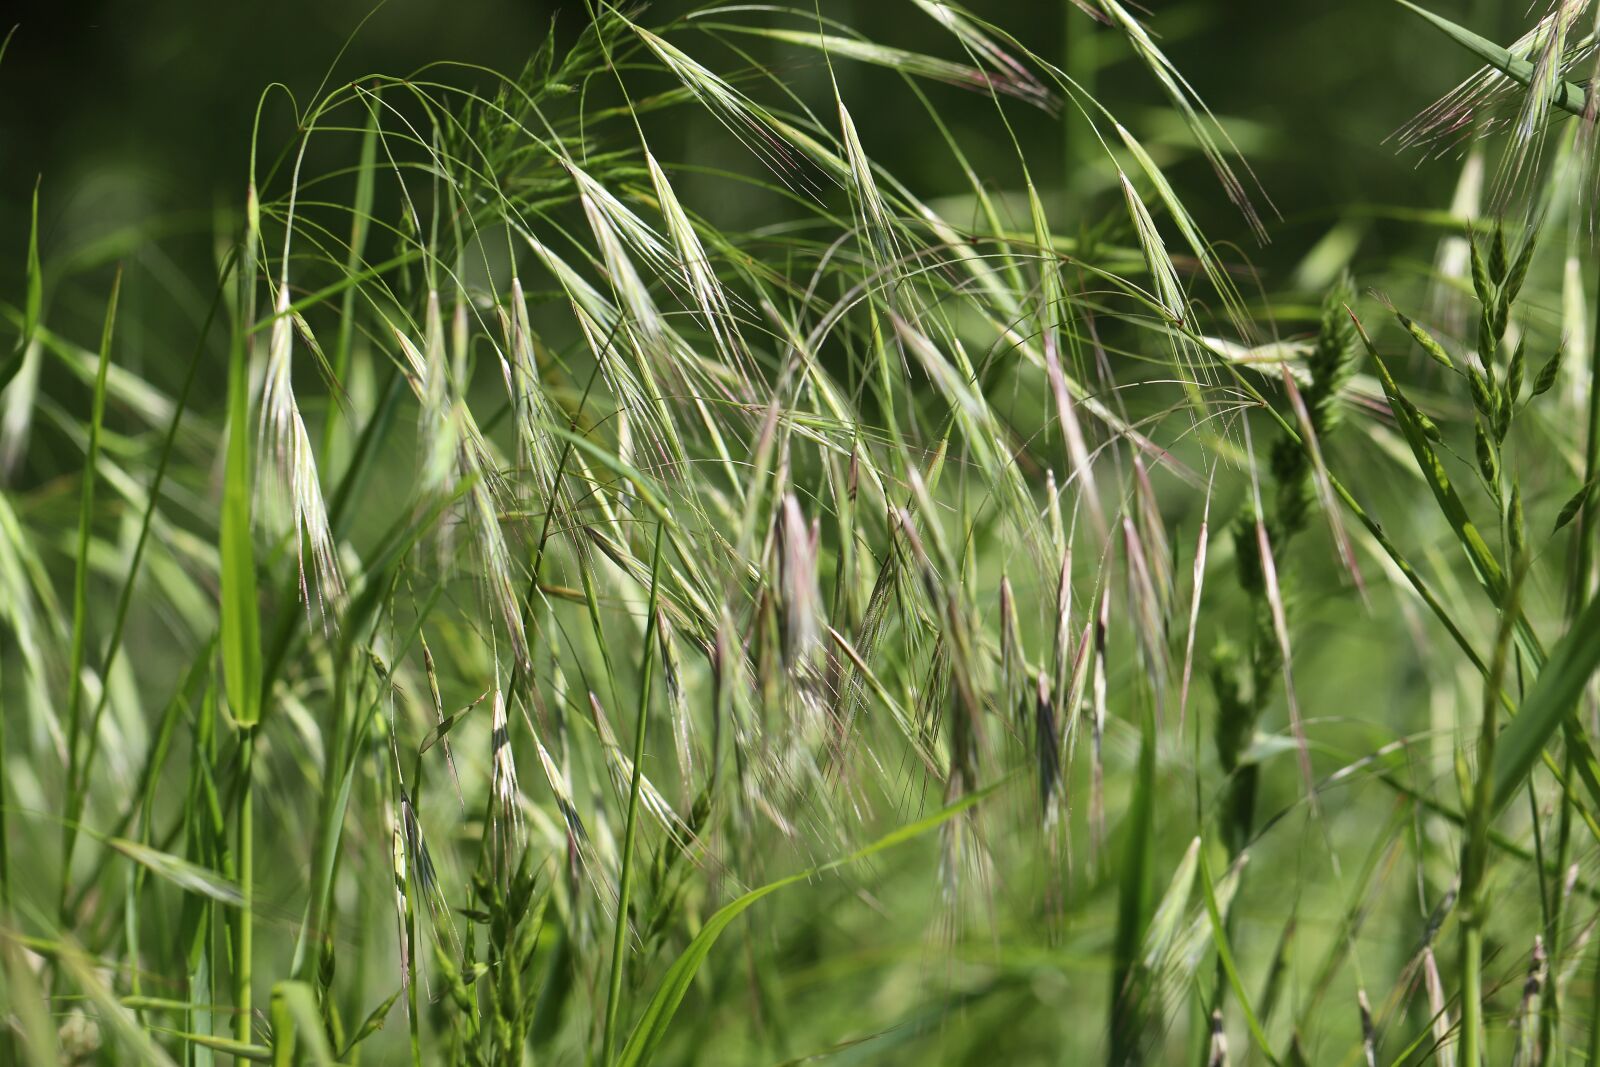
(588, 594)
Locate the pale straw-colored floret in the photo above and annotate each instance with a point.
(290, 489)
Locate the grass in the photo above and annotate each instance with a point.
(591, 599)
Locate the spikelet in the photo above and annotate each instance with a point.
(872, 214)
(438, 433)
(597, 199)
(795, 545)
(1213, 140)
(1484, 103)
(708, 294)
(289, 485)
(419, 861)
(397, 857)
(438, 710)
(1217, 1051)
(523, 385)
(580, 846)
(1168, 293)
(1280, 629)
(1439, 1006)
(503, 782)
(1097, 806)
(1177, 939)
(1048, 743)
(621, 767)
(1144, 610)
(1528, 1013)
(754, 128)
(629, 287)
(677, 698)
(1014, 79)
(1013, 657)
(483, 517)
(1063, 643)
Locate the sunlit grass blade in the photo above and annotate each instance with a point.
(80, 600)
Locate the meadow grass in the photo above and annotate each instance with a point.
(576, 598)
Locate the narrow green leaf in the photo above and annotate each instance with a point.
(75, 788)
(240, 624)
(1135, 895)
(1564, 94)
(34, 301)
(1219, 937)
(34, 304)
(180, 872)
(243, 1050)
(299, 1036)
(1548, 704)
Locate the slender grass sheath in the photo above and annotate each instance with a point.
(245, 821)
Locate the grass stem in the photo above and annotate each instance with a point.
(619, 943)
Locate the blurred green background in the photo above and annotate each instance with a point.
(134, 113)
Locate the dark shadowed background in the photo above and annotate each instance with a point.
(131, 112)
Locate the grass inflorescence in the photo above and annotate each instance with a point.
(600, 595)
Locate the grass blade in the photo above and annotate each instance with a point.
(1548, 705)
(240, 623)
(35, 293)
(80, 601)
(1563, 94)
(625, 883)
(187, 876)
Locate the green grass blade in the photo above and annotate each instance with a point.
(298, 1036)
(80, 598)
(1135, 897)
(1548, 705)
(240, 1050)
(1564, 94)
(1219, 936)
(34, 301)
(187, 876)
(240, 624)
(125, 597)
(646, 672)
